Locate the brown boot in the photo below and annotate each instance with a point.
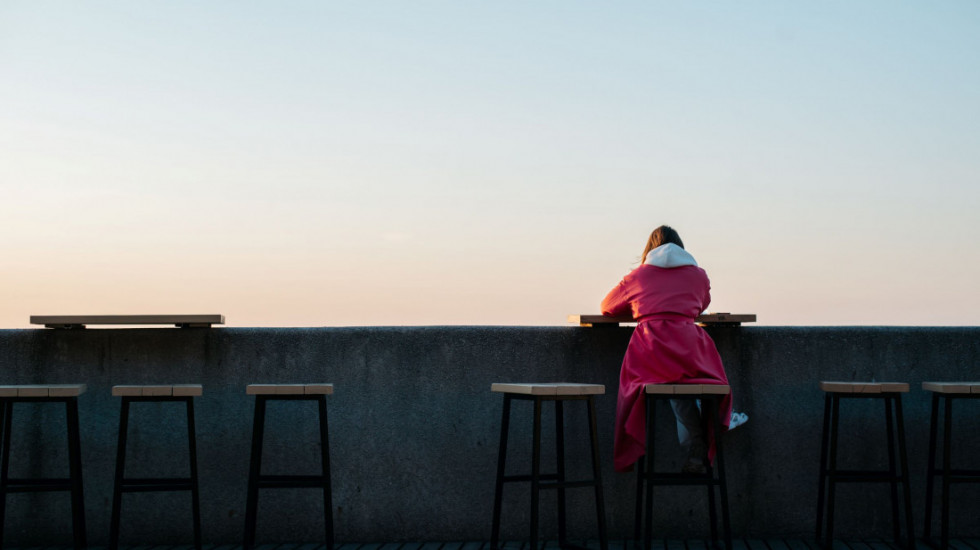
(697, 458)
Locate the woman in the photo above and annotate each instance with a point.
(664, 294)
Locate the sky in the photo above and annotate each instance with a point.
(304, 163)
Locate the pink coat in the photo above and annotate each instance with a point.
(667, 347)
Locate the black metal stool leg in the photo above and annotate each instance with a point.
(832, 471)
(708, 411)
(722, 482)
(535, 472)
(560, 460)
(651, 410)
(120, 470)
(597, 475)
(255, 468)
(947, 447)
(8, 409)
(501, 469)
(821, 493)
(931, 471)
(892, 469)
(325, 465)
(638, 513)
(75, 474)
(195, 491)
(904, 465)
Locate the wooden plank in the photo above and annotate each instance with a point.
(66, 390)
(756, 544)
(777, 544)
(595, 320)
(127, 391)
(58, 321)
(32, 390)
(952, 387)
(687, 389)
(548, 388)
(318, 389)
(572, 388)
(157, 390)
(864, 387)
(659, 389)
(188, 390)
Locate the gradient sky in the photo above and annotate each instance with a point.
(307, 163)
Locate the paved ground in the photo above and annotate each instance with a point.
(739, 544)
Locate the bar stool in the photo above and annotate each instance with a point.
(945, 392)
(50, 393)
(831, 475)
(710, 395)
(287, 392)
(538, 393)
(178, 393)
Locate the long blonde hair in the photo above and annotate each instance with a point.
(661, 236)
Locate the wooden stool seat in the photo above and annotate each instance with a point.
(44, 393)
(647, 477)
(161, 393)
(289, 389)
(559, 393)
(174, 390)
(864, 387)
(958, 388)
(264, 393)
(687, 389)
(897, 473)
(550, 388)
(43, 390)
(944, 393)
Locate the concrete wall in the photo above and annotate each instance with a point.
(414, 428)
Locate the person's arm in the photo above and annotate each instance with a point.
(617, 301)
(706, 299)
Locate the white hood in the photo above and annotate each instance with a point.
(669, 255)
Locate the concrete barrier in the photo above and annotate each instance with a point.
(414, 428)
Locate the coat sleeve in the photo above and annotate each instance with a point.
(706, 299)
(617, 301)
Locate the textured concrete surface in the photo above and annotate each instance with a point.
(414, 428)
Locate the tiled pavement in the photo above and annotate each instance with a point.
(739, 544)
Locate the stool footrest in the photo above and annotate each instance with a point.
(292, 482)
(528, 477)
(38, 485)
(680, 478)
(568, 484)
(960, 476)
(144, 485)
(864, 476)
